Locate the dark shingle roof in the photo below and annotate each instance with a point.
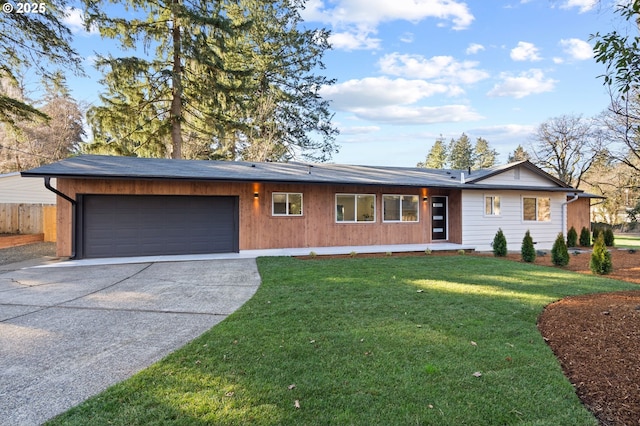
(111, 167)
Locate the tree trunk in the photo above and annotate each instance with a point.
(175, 114)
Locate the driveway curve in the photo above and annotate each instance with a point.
(68, 333)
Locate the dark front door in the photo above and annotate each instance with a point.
(438, 218)
(143, 225)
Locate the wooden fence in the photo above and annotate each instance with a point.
(28, 219)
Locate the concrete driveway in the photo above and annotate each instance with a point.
(67, 333)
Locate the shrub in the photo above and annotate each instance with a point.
(585, 237)
(600, 262)
(572, 237)
(596, 231)
(461, 252)
(608, 237)
(499, 244)
(559, 252)
(528, 252)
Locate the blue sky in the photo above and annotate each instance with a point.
(409, 71)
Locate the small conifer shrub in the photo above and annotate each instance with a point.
(585, 237)
(499, 244)
(559, 252)
(596, 231)
(600, 262)
(528, 252)
(572, 237)
(608, 237)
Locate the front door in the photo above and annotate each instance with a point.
(438, 218)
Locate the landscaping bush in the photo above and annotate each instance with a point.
(585, 237)
(559, 252)
(600, 262)
(527, 251)
(572, 238)
(499, 244)
(597, 230)
(608, 237)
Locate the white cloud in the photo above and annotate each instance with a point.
(356, 40)
(577, 49)
(525, 84)
(404, 115)
(582, 5)
(373, 12)
(442, 69)
(375, 92)
(392, 101)
(474, 48)
(407, 37)
(74, 20)
(358, 130)
(354, 20)
(525, 52)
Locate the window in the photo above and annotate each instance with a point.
(536, 209)
(355, 208)
(286, 204)
(400, 208)
(492, 205)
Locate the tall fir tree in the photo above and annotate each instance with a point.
(461, 153)
(36, 41)
(437, 156)
(519, 154)
(483, 155)
(224, 77)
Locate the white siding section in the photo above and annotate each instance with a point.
(518, 176)
(479, 230)
(14, 189)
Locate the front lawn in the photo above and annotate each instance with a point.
(432, 340)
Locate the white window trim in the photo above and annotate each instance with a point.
(273, 213)
(401, 221)
(536, 220)
(375, 209)
(484, 205)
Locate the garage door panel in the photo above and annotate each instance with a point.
(138, 225)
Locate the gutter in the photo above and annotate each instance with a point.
(74, 204)
(564, 213)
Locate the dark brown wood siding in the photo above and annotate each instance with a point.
(259, 229)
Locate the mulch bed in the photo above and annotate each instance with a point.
(596, 338)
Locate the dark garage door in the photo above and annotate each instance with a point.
(143, 225)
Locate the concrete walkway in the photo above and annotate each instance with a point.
(69, 333)
(253, 254)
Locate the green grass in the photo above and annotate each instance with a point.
(627, 241)
(386, 341)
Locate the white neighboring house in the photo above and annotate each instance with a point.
(14, 189)
(543, 213)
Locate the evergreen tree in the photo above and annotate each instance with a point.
(559, 252)
(585, 237)
(528, 252)
(483, 155)
(37, 41)
(519, 154)
(608, 236)
(600, 262)
(572, 237)
(227, 80)
(460, 153)
(437, 156)
(499, 244)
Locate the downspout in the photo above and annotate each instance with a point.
(564, 213)
(74, 203)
